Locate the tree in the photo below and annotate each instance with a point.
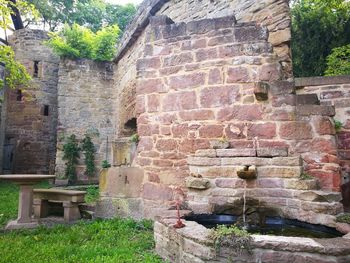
(15, 73)
(318, 26)
(338, 62)
(93, 14)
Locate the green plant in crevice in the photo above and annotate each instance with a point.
(338, 125)
(89, 154)
(71, 155)
(343, 218)
(306, 176)
(92, 194)
(135, 138)
(105, 164)
(233, 237)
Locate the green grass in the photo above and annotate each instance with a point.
(90, 241)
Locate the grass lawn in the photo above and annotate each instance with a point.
(91, 241)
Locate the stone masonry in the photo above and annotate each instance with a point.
(31, 114)
(213, 80)
(86, 103)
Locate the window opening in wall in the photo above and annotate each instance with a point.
(46, 110)
(36, 69)
(19, 95)
(131, 124)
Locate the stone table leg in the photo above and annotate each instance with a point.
(25, 205)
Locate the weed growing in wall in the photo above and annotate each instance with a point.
(105, 164)
(236, 239)
(71, 156)
(338, 125)
(89, 154)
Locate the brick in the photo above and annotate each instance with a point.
(283, 100)
(270, 183)
(157, 192)
(295, 130)
(235, 131)
(165, 130)
(298, 184)
(167, 118)
(198, 43)
(206, 54)
(270, 72)
(176, 60)
(273, 152)
(162, 163)
(229, 183)
(215, 76)
(282, 87)
(192, 145)
(153, 103)
(280, 172)
(235, 152)
(147, 129)
(187, 81)
(238, 74)
(196, 115)
(240, 112)
(331, 94)
(200, 26)
(220, 40)
(262, 130)
(206, 153)
(170, 70)
(174, 30)
(282, 115)
(148, 63)
(307, 99)
(180, 130)
(185, 100)
(211, 131)
(323, 126)
(219, 96)
(230, 51)
(306, 110)
(150, 86)
(145, 144)
(250, 33)
(166, 144)
(140, 106)
(203, 161)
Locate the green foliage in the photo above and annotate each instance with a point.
(105, 164)
(318, 26)
(135, 138)
(89, 153)
(107, 241)
(92, 194)
(71, 155)
(15, 73)
(338, 62)
(79, 42)
(306, 176)
(338, 125)
(344, 218)
(93, 14)
(233, 237)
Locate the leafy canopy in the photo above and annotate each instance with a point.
(338, 62)
(79, 42)
(318, 26)
(93, 14)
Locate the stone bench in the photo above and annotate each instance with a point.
(70, 200)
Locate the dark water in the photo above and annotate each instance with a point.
(275, 226)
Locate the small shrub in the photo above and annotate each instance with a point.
(338, 125)
(92, 194)
(135, 138)
(306, 176)
(233, 237)
(89, 153)
(338, 62)
(71, 155)
(79, 42)
(344, 218)
(105, 164)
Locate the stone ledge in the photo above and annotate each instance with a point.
(320, 81)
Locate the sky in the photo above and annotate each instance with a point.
(123, 2)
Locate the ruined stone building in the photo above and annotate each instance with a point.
(208, 87)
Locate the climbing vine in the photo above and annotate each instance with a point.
(89, 153)
(71, 155)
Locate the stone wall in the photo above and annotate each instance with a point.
(214, 80)
(31, 113)
(334, 91)
(86, 103)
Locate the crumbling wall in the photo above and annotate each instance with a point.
(31, 113)
(86, 102)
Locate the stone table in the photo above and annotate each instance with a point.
(25, 205)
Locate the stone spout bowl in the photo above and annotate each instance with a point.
(247, 175)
